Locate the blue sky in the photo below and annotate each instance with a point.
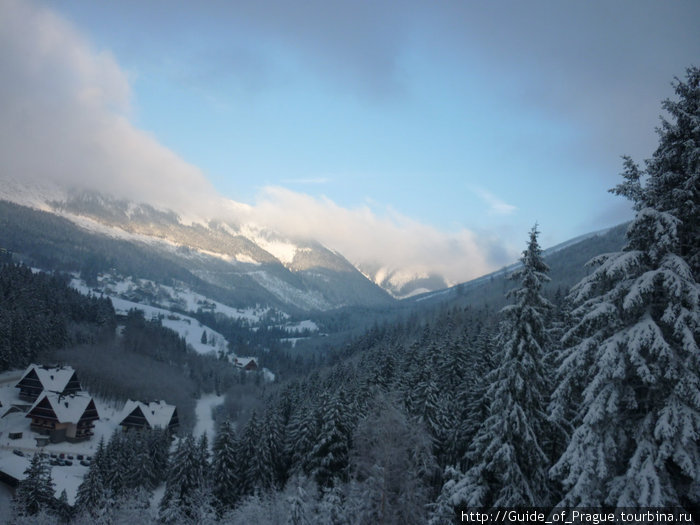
(468, 119)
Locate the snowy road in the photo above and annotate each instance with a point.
(205, 421)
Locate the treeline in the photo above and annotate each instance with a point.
(122, 472)
(39, 312)
(262, 342)
(148, 361)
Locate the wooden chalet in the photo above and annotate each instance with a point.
(249, 364)
(64, 417)
(141, 416)
(37, 379)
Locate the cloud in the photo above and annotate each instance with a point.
(65, 120)
(366, 237)
(65, 114)
(496, 205)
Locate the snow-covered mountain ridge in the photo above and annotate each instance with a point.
(271, 269)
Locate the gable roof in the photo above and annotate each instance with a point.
(56, 379)
(158, 414)
(70, 408)
(243, 362)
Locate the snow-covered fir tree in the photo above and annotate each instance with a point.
(507, 464)
(36, 491)
(185, 490)
(224, 478)
(329, 456)
(633, 364)
(92, 494)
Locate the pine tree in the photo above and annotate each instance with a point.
(508, 465)
(297, 508)
(185, 485)
(329, 456)
(35, 492)
(92, 495)
(632, 366)
(139, 468)
(330, 508)
(225, 482)
(62, 509)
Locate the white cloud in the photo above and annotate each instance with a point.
(496, 206)
(65, 112)
(64, 116)
(392, 240)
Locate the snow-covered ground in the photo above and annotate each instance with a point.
(68, 478)
(119, 289)
(307, 324)
(64, 477)
(176, 297)
(205, 417)
(185, 326)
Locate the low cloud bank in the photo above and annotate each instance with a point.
(66, 121)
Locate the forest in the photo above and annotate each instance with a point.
(588, 399)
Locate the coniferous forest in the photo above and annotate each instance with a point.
(588, 400)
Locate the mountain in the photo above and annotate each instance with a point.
(567, 263)
(297, 276)
(240, 265)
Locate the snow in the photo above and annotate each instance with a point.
(69, 408)
(301, 326)
(64, 477)
(205, 417)
(180, 297)
(158, 414)
(54, 379)
(284, 251)
(187, 327)
(288, 293)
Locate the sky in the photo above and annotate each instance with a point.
(421, 135)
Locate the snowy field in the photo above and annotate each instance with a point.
(187, 327)
(175, 297)
(183, 299)
(205, 412)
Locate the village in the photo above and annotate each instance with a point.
(45, 410)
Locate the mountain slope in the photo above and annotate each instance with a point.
(212, 255)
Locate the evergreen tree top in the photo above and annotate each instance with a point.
(669, 186)
(532, 275)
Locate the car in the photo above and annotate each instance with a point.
(80, 457)
(54, 462)
(62, 455)
(54, 456)
(69, 457)
(68, 463)
(84, 463)
(18, 452)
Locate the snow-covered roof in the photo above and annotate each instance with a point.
(67, 408)
(158, 414)
(245, 361)
(51, 378)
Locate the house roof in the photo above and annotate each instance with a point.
(51, 378)
(245, 361)
(158, 414)
(69, 408)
